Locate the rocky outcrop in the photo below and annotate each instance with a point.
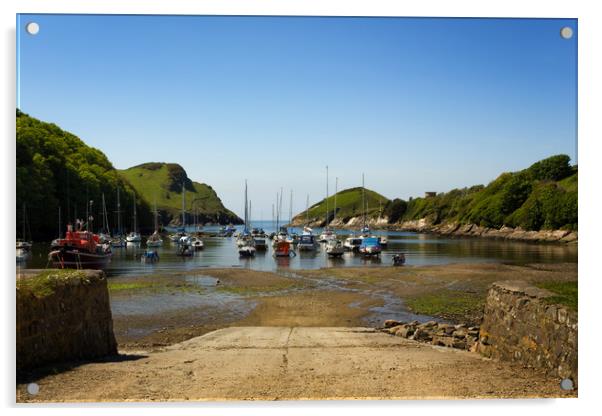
(520, 325)
(446, 335)
(455, 229)
(71, 320)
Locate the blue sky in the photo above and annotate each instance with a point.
(416, 104)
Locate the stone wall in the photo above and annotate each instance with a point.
(518, 325)
(73, 322)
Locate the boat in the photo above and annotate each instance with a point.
(370, 247)
(22, 243)
(23, 255)
(134, 236)
(399, 259)
(185, 248)
(283, 249)
(307, 242)
(327, 235)
(197, 243)
(245, 242)
(260, 243)
(149, 256)
(118, 241)
(334, 248)
(79, 249)
(352, 243)
(155, 239)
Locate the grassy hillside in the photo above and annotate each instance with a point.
(163, 182)
(56, 168)
(543, 196)
(349, 204)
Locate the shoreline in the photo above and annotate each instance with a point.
(454, 229)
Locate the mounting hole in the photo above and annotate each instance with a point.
(566, 384)
(33, 388)
(566, 32)
(32, 28)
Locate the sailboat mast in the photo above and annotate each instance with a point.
(326, 225)
(277, 213)
(246, 207)
(336, 190)
(363, 200)
(183, 207)
(290, 208)
(119, 215)
(156, 216)
(104, 215)
(307, 210)
(135, 219)
(280, 204)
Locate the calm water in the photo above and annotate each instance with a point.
(420, 249)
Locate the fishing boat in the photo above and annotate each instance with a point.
(370, 247)
(283, 249)
(334, 248)
(352, 243)
(307, 242)
(155, 239)
(79, 249)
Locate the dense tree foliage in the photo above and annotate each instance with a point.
(543, 196)
(56, 169)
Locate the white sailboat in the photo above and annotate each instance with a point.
(134, 236)
(327, 234)
(247, 245)
(334, 247)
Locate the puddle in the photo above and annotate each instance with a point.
(202, 280)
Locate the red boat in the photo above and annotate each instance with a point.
(79, 250)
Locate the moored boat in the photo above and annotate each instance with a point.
(307, 242)
(79, 250)
(352, 243)
(370, 247)
(334, 248)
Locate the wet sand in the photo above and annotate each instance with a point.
(159, 310)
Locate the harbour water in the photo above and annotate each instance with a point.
(419, 249)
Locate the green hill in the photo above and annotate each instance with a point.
(543, 196)
(56, 168)
(162, 182)
(349, 205)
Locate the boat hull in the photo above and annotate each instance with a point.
(74, 259)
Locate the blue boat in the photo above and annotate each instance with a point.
(370, 246)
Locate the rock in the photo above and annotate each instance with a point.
(429, 324)
(460, 326)
(422, 335)
(460, 333)
(391, 323)
(392, 330)
(405, 331)
(443, 341)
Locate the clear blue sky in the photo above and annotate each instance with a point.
(417, 104)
